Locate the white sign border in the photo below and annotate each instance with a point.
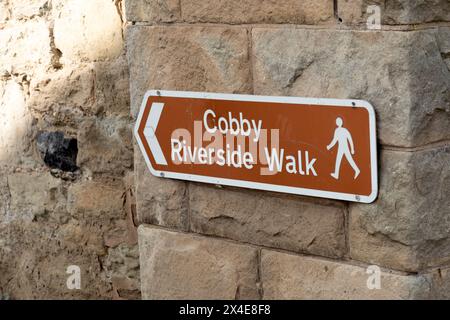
(265, 186)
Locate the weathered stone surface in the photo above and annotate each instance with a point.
(98, 217)
(28, 9)
(187, 58)
(68, 88)
(96, 198)
(392, 70)
(99, 88)
(15, 125)
(62, 62)
(105, 145)
(4, 197)
(35, 257)
(4, 13)
(25, 48)
(152, 11)
(444, 44)
(407, 228)
(184, 266)
(122, 270)
(395, 12)
(112, 93)
(80, 34)
(440, 284)
(287, 276)
(33, 195)
(159, 201)
(262, 11)
(299, 225)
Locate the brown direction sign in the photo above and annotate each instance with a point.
(313, 147)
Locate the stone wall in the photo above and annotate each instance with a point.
(66, 154)
(202, 241)
(74, 187)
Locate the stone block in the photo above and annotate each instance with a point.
(67, 89)
(25, 48)
(187, 58)
(15, 125)
(262, 11)
(402, 74)
(122, 269)
(92, 31)
(28, 9)
(94, 198)
(185, 266)
(35, 257)
(407, 227)
(4, 13)
(292, 223)
(4, 197)
(104, 146)
(286, 276)
(159, 201)
(69, 93)
(34, 195)
(112, 88)
(152, 11)
(395, 12)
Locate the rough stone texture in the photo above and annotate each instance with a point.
(159, 201)
(105, 145)
(34, 264)
(25, 47)
(440, 284)
(79, 35)
(62, 68)
(395, 12)
(408, 227)
(285, 222)
(187, 58)
(65, 96)
(286, 276)
(111, 90)
(4, 197)
(95, 198)
(392, 70)
(15, 123)
(34, 195)
(122, 268)
(4, 13)
(67, 88)
(28, 9)
(152, 11)
(262, 11)
(193, 267)
(91, 232)
(230, 11)
(444, 44)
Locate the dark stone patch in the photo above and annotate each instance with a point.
(58, 152)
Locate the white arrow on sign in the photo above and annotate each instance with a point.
(149, 132)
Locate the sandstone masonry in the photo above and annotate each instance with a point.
(74, 187)
(223, 242)
(63, 72)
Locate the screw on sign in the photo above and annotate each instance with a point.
(313, 147)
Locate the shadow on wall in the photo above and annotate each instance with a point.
(66, 156)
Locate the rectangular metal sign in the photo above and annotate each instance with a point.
(314, 147)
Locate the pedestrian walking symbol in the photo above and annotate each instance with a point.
(345, 148)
